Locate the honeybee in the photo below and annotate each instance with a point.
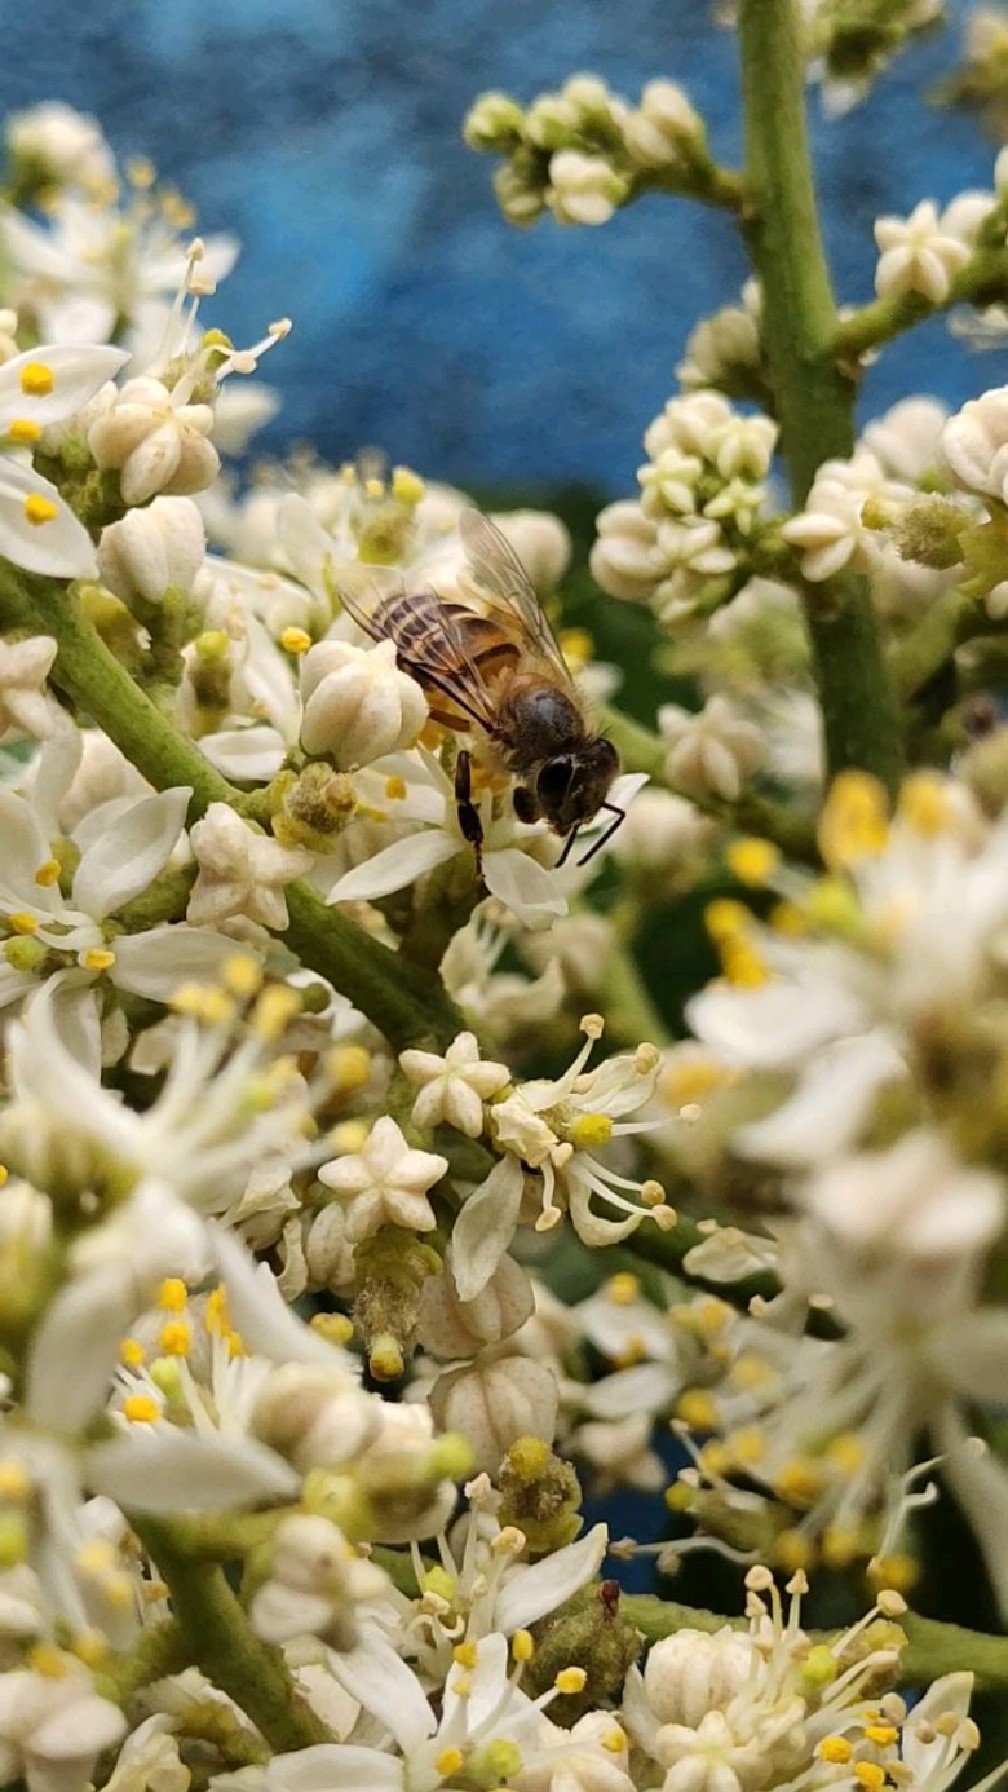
(497, 673)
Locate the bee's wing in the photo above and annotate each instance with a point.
(429, 645)
(508, 591)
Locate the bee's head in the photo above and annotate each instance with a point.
(571, 787)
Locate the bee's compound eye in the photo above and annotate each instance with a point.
(554, 779)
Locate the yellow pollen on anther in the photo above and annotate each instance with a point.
(725, 919)
(37, 380)
(15, 1483)
(395, 789)
(407, 486)
(48, 1661)
(23, 923)
(175, 1338)
(924, 804)
(242, 974)
(623, 1289)
(97, 958)
(336, 1327)
(742, 964)
(39, 510)
(202, 1002)
(91, 1647)
(571, 1680)
(140, 172)
(173, 1295)
(792, 1550)
(464, 1655)
(836, 1750)
(753, 861)
(4, 1173)
(215, 1315)
(897, 1571)
(697, 1410)
(691, 1080)
(614, 1741)
(449, 1761)
(846, 1452)
(522, 1645)
(799, 1481)
(23, 432)
(141, 1409)
(132, 1353)
(349, 1068)
(883, 1735)
(274, 1011)
(591, 1131)
(47, 874)
(854, 823)
(577, 647)
(840, 1545)
(870, 1775)
(295, 640)
(787, 919)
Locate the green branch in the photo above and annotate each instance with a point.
(931, 643)
(218, 1638)
(814, 399)
(405, 1003)
(983, 281)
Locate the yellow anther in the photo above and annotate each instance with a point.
(141, 1409)
(571, 1680)
(841, 1545)
(449, 1761)
(846, 1452)
(203, 1002)
(753, 861)
(800, 1482)
(295, 640)
(725, 919)
(614, 1741)
(37, 380)
(836, 1750)
(854, 823)
(140, 172)
(151, 1591)
(274, 1011)
(373, 488)
(461, 1685)
(242, 974)
(465, 1655)
(832, 905)
(710, 1316)
(591, 1131)
(23, 432)
(924, 804)
(91, 1647)
(787, 918)
(890, 1603)
(175, 1338)
(349, 1136)
(898, 1571)
(39, 510)
(132, 1353)
(792, 1550)
(97, 958)
(653, 1195)
(235, 1343)
(349, 1068)
(716, 1459)
(439, 1583)
(577, 647)
(870, 1775)
(336, 1328)
(883, 1735)
(690, 1079)
(679, 1497)
(385, 1358)
(522, 1645)
(697, 1410)
(820, 1666)
(215, 1316)
(4, 1173)
(15, 1483)
(623, 1289)
(742, 964)
(22, 922)
(407, 486)
(48, 1661)
(529, 1458)
(96, 1558)
(47, 874)
(173, 1295)
(395, 789)
(748, 1446)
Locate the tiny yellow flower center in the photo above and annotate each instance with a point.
(39, 510)
(571, 1680)
(591, 1131)
(522, 1645)
(141, 1409)
(97, 958)
(23, 432)
(37, 380)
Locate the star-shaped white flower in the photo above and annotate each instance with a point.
(241, 872)
(919, 255)
(452, 1089)
(385, 1183)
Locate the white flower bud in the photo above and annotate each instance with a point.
(664, 127)
(357, 704)
(308, 1413)
(689, 1674)
(661, 831)
(317, 1580)
(494, 121)
(625, 559)
(453, 1329)
(328, 1254)
(152, 549)
(975, 444)
(714, 752)
(520, 198)
(584, 189)
(965, 214)
(493, 1401)
(65, 145)
(580, 944)
(541, 541)
(746, 448)
(551, 121)
(693, 424)
(919, 255)
(156, 443)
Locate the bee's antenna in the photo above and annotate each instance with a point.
(603, 839)
(568, 844)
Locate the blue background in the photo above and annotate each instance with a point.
(325, 133)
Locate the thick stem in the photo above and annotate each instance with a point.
(983, 281)
(218, 1638)
(814, 399)
(403, 1002)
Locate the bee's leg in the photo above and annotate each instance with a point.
(468, 814)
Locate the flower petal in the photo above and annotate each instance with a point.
(58, 545)
(130, 853)
(485, 1227)
(523, 885)
(74, 1353)
(530, 1591)
(375, 1675)
(155, 963)
(164, 1469)
(394, 867)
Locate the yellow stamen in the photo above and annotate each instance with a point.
(840, 1546)
(349, 1068)
(577, 647)
(591, 1131)
(140, 172)
(242, 974)
(898, 1571)
(175, 1338)
(295, 640)
(820, 1666)
(623, 1289)
(274, 1011)
(48, 874)
(689, 1080)
(748, 1446)
(787, 919)
(697, 1410)
(854, 822)
(215, 1316)
(336, 1327)
(449, 1761)
(836, 1750)
(22, 922)
(753, 861)
(407, 486)
(39, 510)
(792, 1550)
(91, 1647)
(395, 789)
(173, 1295)
(23, 432)
(15, 1483)
(846, 1452)
(924, 804)
(800, 1482)
(464, 1655)
(97, 958)
(522, 1645)
(614, 1741)
(37, 380)
(883, 1735)
(724, 919)
(679, 1497)
(48, 1661)
(214, 1007)
(132, 1353)
(141, 1409)
(571, 1680)
(742, 964)
(870, 1775)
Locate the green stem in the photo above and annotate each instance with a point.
(405, 1003)
(630, 1011)
(983, 281)
(219, 1639)
(156, 1654)
(814, 399)
(954, 619)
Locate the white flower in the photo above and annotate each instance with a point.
(919, 255)
(713, 752)
(829, 531)
(241, 872)
(452, 1329)
(661, 832)
(664, 129)
(584, 189)
(691, 1673)
(157, 439)
(975, 444)
(726, 342)
(498, 1397)
(358, 705)
(153, 550)
(906, 440)
(625, 558)
(25, 707)
(316, 1581)
(620, 1452)
(385, 1183)
(65, 146)
(452, 1089)
(53, 1727)
(149, 1760)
